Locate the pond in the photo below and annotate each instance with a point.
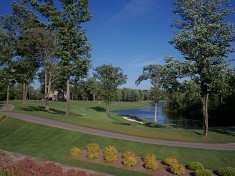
(162, 117)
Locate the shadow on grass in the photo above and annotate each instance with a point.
(51, 110)
(42, 108)
(230, 131)
(98, 109)
(122, 123)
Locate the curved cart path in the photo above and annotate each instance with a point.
(71, 127)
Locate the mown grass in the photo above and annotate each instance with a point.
(54, 144)
(92, 114)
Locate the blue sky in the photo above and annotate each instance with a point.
(129, 33)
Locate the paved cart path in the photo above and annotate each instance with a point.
(92, 131)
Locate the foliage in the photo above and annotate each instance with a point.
(2, 116)
(110, 154)
(177, 169)
(156, 74)
(92, 150)
(204, 39)
(72, 48)
(75, 151)
(195, 166)
(129, 158)
(203, 172)
(226, 171)
(110, 78)
(150, 161)
(3, 173)
(171, 161)
(27, 166)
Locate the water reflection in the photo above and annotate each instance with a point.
(162, 117)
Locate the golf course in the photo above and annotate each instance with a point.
(53, 144)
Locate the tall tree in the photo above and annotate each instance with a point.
(73, 48)
(204, 39)
(27, 44)
(156, 75)
(47, 42)
(110, 78)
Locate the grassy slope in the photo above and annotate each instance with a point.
(53, 144)
(91, 114)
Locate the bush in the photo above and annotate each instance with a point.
(72, 172)
(129, 158)
(171, 161)
(203, 172)
(2, 116)
(150, 162)
(92, 151)
(177, 169)
(75, 151)
(226, 171)
(2, 173)
(195, 166)
(110, 154)
(28, 167)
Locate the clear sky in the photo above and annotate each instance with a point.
(129, 33)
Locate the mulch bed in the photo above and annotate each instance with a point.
(162, 170)
(7, 158)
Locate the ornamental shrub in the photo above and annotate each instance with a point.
(177, 169)
(72, 172)
(195, 166)
(171, 161)
(150, 161)
(92, 151)
(226, 171)
(3, 173)
(203, 172)
(2, 116)
(110, 154)
(75, 151)
(129, 158)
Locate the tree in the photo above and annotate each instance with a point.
(92, 87)
(110, 78)
(204, 39)
(73, 48)
(156, 75)
(47, 41)
(27, 45)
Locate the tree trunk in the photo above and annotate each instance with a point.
(93, 97)
(24, 93)
(155, 112)
(8, 90)
(49, 87)
(68, 98)
(107, 107)
(205, 114)
(46, 93)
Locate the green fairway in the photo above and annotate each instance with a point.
(92, 114)
(54, 144)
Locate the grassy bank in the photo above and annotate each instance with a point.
(53, 144)
(92, 114)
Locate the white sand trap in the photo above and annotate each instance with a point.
(132, 120)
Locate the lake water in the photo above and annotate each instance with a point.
(162, 117)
